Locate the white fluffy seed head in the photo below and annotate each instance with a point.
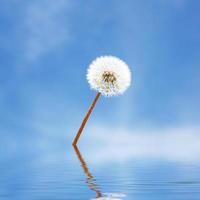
(109, 75)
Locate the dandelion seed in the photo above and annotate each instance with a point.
(109, 75)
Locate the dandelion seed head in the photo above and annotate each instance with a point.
(109, 75)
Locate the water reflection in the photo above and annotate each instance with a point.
(91, 182)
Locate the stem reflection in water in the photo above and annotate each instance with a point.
(92, 183)
(90, 179)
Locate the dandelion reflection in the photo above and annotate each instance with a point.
(91, 182)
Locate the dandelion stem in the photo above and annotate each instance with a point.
(85, 119)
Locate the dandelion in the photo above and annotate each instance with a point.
(109, 76)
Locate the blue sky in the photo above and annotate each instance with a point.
(46, 47)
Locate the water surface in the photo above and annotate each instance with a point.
(59, 171)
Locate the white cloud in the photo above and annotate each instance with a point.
(45, 27)
(114, 145)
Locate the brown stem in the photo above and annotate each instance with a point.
(85, 119)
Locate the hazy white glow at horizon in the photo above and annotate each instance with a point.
(173, 144)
